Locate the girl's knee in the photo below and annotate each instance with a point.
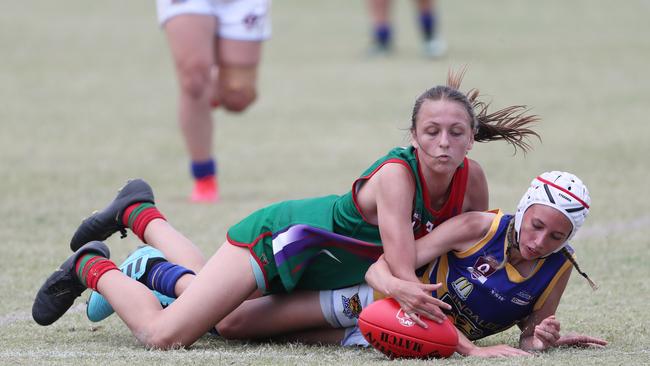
(161, 337)
(232, 327)
(195, 79)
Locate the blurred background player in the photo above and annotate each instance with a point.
(216, 47)
(433, 45)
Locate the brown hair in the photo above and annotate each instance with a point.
(511, 238)
(510, 123)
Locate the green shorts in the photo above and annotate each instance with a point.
(294, 247)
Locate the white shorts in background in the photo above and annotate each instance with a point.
(242, 20)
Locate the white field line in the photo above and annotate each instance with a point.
(585, 233)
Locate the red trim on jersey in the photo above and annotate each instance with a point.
(368, 176)
(563, 190)
(454, 204)
(250, 249)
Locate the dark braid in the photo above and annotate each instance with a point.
(511, 238)
(573, 261)
(509, 124)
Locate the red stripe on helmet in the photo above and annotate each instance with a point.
(563, 190)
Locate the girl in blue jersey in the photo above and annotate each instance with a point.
(499, 270)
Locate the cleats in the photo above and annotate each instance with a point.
(60, 290)
(134, 266)
(377, 50)
(100, 225)
(206, 190)
(435, 48)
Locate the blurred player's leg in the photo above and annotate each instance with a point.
(434, 45)
(236, 85)
(191, 40)
(381, 28)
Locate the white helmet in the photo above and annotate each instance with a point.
(561, 190)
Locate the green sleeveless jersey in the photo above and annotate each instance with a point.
(325, 242)
(349, 221)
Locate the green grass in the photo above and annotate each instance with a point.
(87, 100)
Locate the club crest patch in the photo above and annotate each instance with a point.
(483, 268)
(351, 306)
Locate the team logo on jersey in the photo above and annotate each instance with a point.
(404, 319)
(351, 306)
(463, 287)
(518, 301)
(483, 268)
(263, 259)
(522, 298)
(429, 226)
(525, 295)
(497, 295)
(417, 221)
(417, 225)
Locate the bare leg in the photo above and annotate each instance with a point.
(236, 77)
(379, 12)
(381, 27)
(274, 315)
(282, 313)
(425, 5)
(176, 247)
(191, 40)
(314, 336)
(224, 283)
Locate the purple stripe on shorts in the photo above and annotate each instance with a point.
(303, 237)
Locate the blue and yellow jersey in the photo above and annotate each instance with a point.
(486, 300)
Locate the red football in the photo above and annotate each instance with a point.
(389, 330)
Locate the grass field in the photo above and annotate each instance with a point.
(87, 100)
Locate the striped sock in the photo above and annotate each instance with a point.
(162, 277)
(90, 267)
(139, 215)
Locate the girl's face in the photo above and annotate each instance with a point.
(442, 134)
(543, 230)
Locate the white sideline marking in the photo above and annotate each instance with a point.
(585, 233)
(27, 315)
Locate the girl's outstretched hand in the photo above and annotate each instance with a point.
(416, 300)
(547, 334)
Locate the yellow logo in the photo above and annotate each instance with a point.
(463, 287)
